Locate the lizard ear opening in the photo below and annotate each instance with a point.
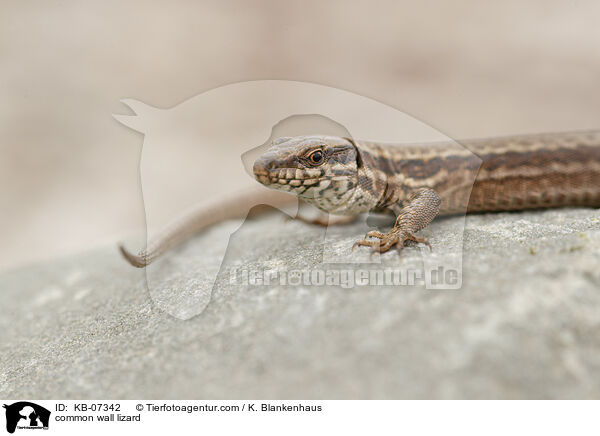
(359, 157)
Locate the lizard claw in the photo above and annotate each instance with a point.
(395, 237)
(366, 242)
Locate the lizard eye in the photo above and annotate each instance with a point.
(316, 157)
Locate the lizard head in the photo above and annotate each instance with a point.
(321, 170)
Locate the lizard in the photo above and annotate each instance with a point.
(344, 177)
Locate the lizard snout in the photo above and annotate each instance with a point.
(261, 169)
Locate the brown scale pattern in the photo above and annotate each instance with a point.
(523, 172)
(496, 175)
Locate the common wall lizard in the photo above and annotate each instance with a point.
(346, 177)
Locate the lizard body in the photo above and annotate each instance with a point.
(417, 182)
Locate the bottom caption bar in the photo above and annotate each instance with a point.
(66, 417)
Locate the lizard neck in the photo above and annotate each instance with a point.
(372, 188)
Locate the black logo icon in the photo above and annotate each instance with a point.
(26, 415)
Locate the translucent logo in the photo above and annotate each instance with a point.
(211, 225)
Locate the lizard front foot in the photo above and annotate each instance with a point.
(423, 205)
(384, 241)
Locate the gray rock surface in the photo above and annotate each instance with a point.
(526, 323)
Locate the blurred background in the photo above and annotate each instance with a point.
(69, 172)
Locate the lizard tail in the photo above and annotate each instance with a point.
(139, 261)
(196, 220)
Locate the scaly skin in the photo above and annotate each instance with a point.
(419, 181)
(414, 181)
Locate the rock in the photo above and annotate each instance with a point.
(524, 324)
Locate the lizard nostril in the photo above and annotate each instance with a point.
(264, 164)
(258, 167)
(262, 167)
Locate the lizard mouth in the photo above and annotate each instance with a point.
(284, 177)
